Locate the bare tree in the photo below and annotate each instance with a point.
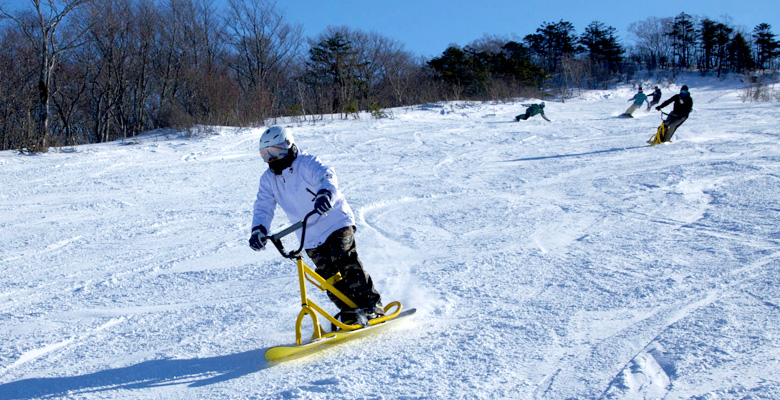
(652, 41)
(108, 65)
(18, 89)
(199, 91)
(215, 88)
(381, 64)
(574, 72)
(263, 46)
(41, 28)
(401, 68)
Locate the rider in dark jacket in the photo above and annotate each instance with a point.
(683, 103)
(655, 98)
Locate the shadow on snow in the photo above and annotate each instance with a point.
(615, 149)
(154, 373)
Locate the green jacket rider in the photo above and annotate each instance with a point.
(533, 109)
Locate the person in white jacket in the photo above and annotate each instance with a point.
(299, 183)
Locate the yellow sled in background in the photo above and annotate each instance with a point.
(320, 337)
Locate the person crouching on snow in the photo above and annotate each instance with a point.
(532, 110)
(299, 182)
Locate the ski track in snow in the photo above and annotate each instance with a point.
(547, 260)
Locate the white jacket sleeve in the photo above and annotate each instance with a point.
(265, 204)
(322, 175)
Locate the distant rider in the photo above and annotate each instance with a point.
(639, 98)
(656, 98)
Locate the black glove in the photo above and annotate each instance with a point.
(258, 239)
(322, 202)
(658, 108)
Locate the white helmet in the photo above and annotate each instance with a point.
(277, 136)
(275, 142)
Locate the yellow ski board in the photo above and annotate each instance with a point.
(330, 338)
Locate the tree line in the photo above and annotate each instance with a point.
(88, 71)
(685, 42)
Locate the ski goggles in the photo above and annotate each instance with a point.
(273, 153)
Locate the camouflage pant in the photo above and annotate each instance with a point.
(338, 254)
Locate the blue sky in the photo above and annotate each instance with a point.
(427, 27)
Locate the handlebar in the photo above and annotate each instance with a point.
(276, 238)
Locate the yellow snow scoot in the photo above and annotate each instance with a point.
(660, 135)
(320, 337)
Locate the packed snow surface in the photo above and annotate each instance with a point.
(546, 260)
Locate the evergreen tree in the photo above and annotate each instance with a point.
(708, 43)
(722, 37)
(767, 47)
(684, 36)
(551, 42)
(453, 67)
(740, 57)
(515, 63)
(604, 51)
(331, 64)
(469, 71)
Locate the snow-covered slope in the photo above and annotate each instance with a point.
(547, 260)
